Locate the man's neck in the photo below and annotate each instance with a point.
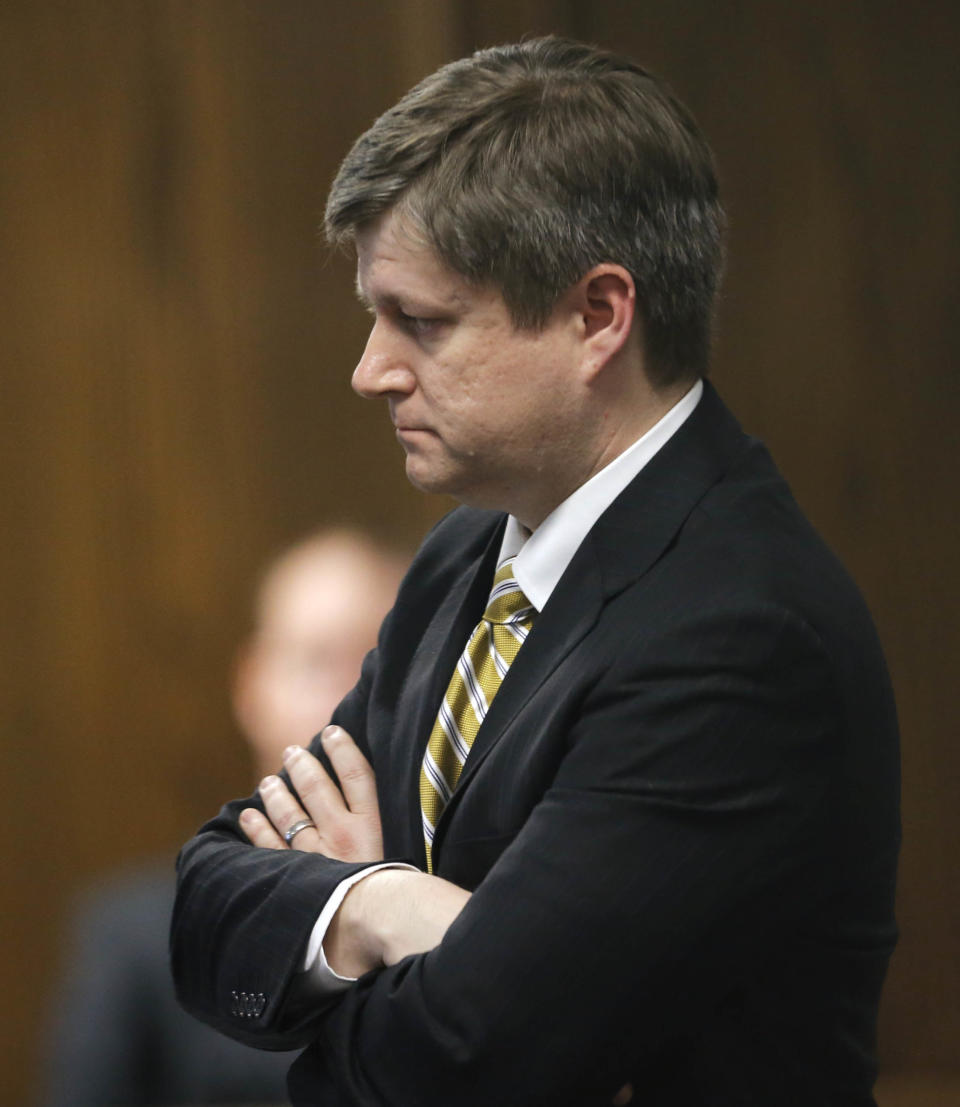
(619, 429)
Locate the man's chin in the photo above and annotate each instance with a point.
(424, 479)
(436, 480)
(455, 485)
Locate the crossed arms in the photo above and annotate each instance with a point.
(389, 914)
(386, 916)
(674, 837)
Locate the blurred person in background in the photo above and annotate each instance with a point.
(121, 1036)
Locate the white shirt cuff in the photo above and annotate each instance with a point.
(322, 978)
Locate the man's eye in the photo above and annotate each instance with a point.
(417, 324)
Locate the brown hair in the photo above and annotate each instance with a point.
(524, 166)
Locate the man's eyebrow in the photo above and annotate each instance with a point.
(361, 295)
(387, 300)
(452, 301)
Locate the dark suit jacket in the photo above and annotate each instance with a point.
(679, 819)
(118, 1037)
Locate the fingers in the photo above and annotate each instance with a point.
(624, 1096)
(353, 770)
(259, 830)
(349, 821)
(346, 825)
(284, 812)
(320, 796)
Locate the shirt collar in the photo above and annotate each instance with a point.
(543, 556)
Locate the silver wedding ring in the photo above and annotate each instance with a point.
(294, 830)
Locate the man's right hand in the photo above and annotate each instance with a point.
(389, 915)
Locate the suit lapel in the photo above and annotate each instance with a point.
(641, 523)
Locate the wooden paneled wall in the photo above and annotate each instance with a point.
(175, 396)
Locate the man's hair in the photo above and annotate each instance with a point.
(524, 166)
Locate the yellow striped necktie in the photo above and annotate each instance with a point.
(494, 644)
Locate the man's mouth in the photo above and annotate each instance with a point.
(411, 428)
(408, 436)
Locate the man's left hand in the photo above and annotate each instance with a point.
(347, 822)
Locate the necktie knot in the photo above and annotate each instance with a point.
(507, 603)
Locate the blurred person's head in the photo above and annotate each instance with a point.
(524, 166)
(318, 609)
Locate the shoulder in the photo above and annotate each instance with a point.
(710, 545)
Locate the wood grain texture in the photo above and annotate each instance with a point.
(176, 402)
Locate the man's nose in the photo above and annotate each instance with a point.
(382, 367)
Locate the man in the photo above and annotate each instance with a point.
(121, 1036)
(627, 723)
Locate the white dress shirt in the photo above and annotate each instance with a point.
(540, 561)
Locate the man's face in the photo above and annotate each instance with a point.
(485, 412)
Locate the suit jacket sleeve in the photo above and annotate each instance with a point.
(243, 916)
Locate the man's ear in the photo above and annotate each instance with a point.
(607, 301)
